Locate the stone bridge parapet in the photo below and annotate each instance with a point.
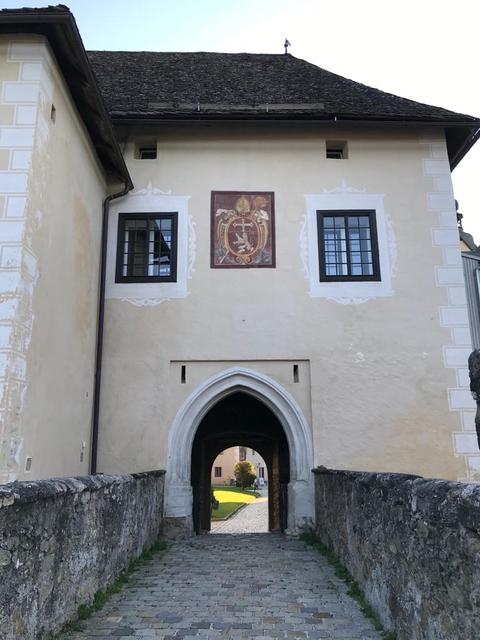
(412, 544)
(63, 539)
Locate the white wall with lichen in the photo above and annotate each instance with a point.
(51, 190)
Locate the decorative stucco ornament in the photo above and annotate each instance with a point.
(145, 302)
(192, 247)
(344, 188)
(150, 190)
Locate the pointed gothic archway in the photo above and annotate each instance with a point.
(178, 497)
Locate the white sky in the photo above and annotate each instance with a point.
(426, 50)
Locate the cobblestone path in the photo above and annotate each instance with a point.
(232, 587)
(253, 518)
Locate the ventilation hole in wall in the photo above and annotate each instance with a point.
(28, 463)
(146, 150)
(183, 375)
(53, 113)
(336, 149)
(295, 373)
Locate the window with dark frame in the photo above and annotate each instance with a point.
(147, 247)
(218, 472)
(348, 246)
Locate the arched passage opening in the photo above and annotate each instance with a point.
(178, 486)
(240, 419)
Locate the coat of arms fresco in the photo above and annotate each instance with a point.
(242, 229)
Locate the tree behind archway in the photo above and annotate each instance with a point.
(244, 473)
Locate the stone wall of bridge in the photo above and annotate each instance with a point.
(412, 544)
(63, 539)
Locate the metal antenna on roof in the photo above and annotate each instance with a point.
(286, 45)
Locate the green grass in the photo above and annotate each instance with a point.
(226, 509)
(231, 499)
(354, 590)
(247, 492)
(101, 598)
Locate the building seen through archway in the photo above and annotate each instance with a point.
(223, 468)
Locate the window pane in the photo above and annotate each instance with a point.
(135, 224)
(335, 247)
(355, 258)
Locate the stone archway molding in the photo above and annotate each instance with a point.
(178, 496)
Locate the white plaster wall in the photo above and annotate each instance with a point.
(373, 382)
(226, 460)
(51, 190)
(256, 459)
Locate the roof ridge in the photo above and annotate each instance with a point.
(213, 53)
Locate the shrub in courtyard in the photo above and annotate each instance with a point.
(244, 473)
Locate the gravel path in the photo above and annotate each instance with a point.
(224, 587)
(253, 518)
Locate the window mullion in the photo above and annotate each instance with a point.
(347, 246)
(146, 265)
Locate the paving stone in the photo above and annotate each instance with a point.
(232, 587)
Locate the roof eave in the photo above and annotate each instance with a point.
(460, 135)
(472, 134)
(59, 27)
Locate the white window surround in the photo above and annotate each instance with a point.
(151, 200)
(341, 199)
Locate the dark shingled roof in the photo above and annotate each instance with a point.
(153, 84)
